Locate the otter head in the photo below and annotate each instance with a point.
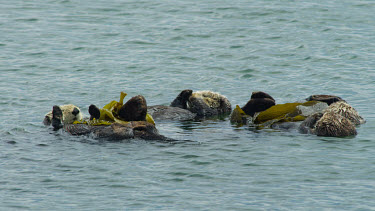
(70, 113)
(208, 103)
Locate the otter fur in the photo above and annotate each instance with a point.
(117, 132)
(338, 120)
(189, 105)
(345, 110)
(161, 112)
(176, 111)
(208, 103)
(335, 125)
(259, 101)
(70, 113)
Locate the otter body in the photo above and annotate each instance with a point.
(189, 105)
(117, 132)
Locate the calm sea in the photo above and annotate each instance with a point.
(88, 51)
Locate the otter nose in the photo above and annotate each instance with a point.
(75, 111)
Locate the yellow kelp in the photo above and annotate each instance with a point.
(239, 116)
(94, 122)
(110, 111)
(289, 112)
(109, 114)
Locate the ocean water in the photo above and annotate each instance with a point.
(84, 52)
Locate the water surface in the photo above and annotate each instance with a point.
(84, 52)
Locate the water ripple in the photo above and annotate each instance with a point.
(62, 51)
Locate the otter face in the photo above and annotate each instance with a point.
(70, 113)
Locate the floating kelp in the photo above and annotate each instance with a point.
(288, 112)
(109, 114)
(238, 116)
(94, 122)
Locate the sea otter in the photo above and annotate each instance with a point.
(189, 105)
(338, 120)
(129, 124)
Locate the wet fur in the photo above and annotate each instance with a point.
(208, 103)
(259, 101)
(338, 120)
(335, 125)
(345, 110)
(69, 114)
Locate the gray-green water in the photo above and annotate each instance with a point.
(83, 52)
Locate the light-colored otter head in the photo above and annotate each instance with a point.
(334, 125)
(208, 103)
(345, 110)
(212, 99)
(70, 112)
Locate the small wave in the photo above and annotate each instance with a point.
(27, 19)
(141, 42)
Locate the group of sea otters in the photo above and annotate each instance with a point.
(322, 115)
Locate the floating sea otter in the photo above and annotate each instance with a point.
(318, 118)
(338, 120)
(189, 105)
(114, 121)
